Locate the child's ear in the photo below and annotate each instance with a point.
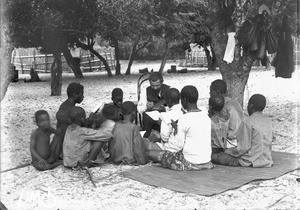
(82, 120)
(132, 116)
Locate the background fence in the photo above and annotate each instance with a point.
(197, 58)
(90, 62)
(26, 58)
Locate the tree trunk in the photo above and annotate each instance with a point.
(131, 57)
(6, 49)
(56, 75)
(164, 60)
(71, 62)
(211, 64)
(235, 81)
(91, 49)
(117, 57)
(107, 68)
(235, 74)
(135, 50)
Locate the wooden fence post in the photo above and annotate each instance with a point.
(106, 58)
(89, 59)
(21, 62)
(33, 65)
(46, 63)
(112, 60)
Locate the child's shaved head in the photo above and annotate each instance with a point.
(77, 114)
(216, 102)
(39, 113)
(128, 107)
(74, 89)
(173, 95)
(117, 92)
(110, 112)
(218, 87)
(190, 93)
(258, 102)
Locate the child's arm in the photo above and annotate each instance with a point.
(244, 136)
(55, 131)
(97, 135)
(34, 154)
(165, 131)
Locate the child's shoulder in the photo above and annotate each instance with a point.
(108, 124)
(127, 125)
(36, 131)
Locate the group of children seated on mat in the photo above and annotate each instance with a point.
(183, 137)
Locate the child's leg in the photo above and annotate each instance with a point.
(148, 123)
(42, 166)
(56, 146)
(150, 146)
(224, 159)
(52, 157)
(154, 155)
(96, 148)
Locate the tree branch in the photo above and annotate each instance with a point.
(144, 44)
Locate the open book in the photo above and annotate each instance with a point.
(155, 115)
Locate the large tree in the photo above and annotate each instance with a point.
(82, 24)
(141, 18)
(56, 26)
(169, 25)
(236, 74)
(113, 24)
(39, 24)
(219, 15)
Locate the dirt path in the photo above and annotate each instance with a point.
(62, 189)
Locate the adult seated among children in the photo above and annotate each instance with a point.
(75, 96)
(168, 124)
(96, 118)
(232, 108)
(254, 139)
(152, 99)
(194, 130)
(127, 146)
(41, 154)
(219, 123)
(81, 144)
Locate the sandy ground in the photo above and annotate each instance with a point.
(61, 188)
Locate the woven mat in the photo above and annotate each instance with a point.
(214, 181)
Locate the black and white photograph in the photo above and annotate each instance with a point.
(149, 104)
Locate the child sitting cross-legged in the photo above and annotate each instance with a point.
(82, 144)
(219, 124)
(127, 145)
(41, 154)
